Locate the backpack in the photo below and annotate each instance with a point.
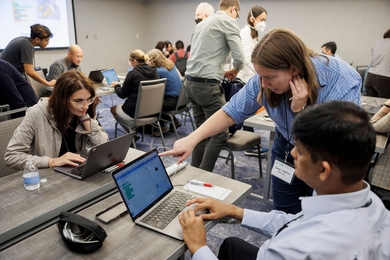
(181, 63)
(231, 88)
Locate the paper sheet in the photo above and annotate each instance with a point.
(215, 192)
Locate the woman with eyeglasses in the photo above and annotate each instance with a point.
(57, 128)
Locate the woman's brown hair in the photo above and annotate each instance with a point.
(67, 84)
(281, 49)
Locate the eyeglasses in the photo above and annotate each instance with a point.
(238, 15)
(81, 103)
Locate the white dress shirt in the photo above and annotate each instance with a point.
(355, 225)
(248, 44)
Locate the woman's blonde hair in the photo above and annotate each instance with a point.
(158, 59)
(281, 49)
(139, 56)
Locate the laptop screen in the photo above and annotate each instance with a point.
(142, 182)
(110, 76)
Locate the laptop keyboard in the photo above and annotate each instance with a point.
(78, 170)
(161, 216)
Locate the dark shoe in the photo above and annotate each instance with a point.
(164, 130)
(253, 152)
(177, 125)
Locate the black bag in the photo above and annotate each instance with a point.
(80, 234)
(231, 88)
(181, 63)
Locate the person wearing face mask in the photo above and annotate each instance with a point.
(203, 11)
(250, 35)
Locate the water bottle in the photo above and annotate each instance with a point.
(31, 177)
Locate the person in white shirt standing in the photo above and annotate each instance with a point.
(250, 35)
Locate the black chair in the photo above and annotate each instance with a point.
(183, 108)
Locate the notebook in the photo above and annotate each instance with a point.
(110, 76)
(96, 76)
(100, 157)
(145, 187)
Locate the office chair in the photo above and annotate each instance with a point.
(6, 112)
(241, 141)
(39, 88)
(7, 129)
(183, 107)
(148, 108)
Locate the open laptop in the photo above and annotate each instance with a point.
(100, 157)
(145, 186)
(110, 76)
(96, 76)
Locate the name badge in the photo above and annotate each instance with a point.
(283, 171)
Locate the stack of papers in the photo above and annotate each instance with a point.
(215, 192)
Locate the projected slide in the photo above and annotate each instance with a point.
(19, 15)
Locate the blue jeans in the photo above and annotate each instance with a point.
(285, 195)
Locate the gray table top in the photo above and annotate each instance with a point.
(21, 210)
(125, 239)
(260, 122)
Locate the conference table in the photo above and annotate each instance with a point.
(124, 240)
(102, 89)
(21, 211)
(263, 122)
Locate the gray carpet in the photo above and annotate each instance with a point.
(246, 168)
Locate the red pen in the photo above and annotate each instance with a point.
(201, 183)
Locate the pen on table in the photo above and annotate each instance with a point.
(201, 183)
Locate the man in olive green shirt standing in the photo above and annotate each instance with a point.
(212, 41)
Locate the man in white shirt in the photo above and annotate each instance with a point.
(342, 220)
(203, 11)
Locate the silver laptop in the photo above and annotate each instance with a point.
(145, 188)
(100, 157)
(110, 76)
(96, 76)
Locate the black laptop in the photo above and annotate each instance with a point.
(100, 157)
(96, 76)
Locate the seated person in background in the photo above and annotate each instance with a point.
(342, 220)
(129, 90)
(178, 55)
(14, 89)
(166, 69)
(72, 61)
(329, 49)
(58, 127)
(380, 173)
(203, 11)
(168, 49)
(20, 52)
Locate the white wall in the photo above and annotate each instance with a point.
(355, 25)
(112, 26)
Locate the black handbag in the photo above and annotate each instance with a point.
(80, 234)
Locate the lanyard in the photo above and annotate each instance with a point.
(287, 152)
